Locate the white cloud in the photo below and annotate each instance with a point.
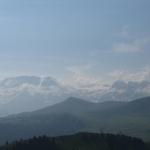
(80, 78)
(136, 45)
(129, 42)
(140, 75)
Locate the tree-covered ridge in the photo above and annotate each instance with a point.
(80, 141)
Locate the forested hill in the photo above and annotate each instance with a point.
(80, 141)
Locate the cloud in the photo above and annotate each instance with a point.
(140, 75)
(79, 76)
(83, 84)
(136, 45)
(129, 42)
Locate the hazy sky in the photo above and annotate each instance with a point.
(55, 37)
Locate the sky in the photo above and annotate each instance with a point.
(99, 38)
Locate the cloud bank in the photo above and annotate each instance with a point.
(28, 93)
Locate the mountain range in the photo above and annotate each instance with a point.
(74, 115)
(29, 93)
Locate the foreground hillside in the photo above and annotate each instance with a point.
(80, 141)
(76, 115)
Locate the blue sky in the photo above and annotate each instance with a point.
(48, 37)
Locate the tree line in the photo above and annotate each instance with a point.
(80, 141)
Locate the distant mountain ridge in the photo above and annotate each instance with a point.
(74, 115)
(29, 93)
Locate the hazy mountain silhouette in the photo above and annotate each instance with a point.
(73, 115)
(30, 93)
